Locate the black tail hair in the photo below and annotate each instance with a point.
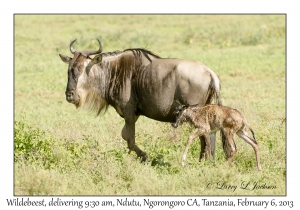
(252, 133)
(254, 140)
(213, 93)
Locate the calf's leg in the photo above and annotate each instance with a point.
(243, 134)
(198, 133)
(202, 146)
(229, 145)
(207, 144)
(213, 145)
(205, 147)
(233, 149)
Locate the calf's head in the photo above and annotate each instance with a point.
(179, 112)
(78, 69)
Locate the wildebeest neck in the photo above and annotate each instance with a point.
(118, 69)
(113, 78)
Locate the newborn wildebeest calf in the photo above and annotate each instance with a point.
(211, 118)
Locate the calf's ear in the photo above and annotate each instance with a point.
(97, 59)
(65, 58)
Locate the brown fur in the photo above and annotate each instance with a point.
(211, 118)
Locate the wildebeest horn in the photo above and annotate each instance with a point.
(87, 52)
(71, 48)
(93, 52)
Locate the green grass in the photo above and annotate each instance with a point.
(60, 150)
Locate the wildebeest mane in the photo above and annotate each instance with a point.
(106, 54)
(137, 52)
(95, 103)
(118, 70)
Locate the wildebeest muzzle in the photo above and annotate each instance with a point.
(71, 93)
(72, 97)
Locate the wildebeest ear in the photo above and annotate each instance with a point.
(65, 58)
(97, 59)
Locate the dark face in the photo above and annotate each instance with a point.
(77, 66)
(77, 76)
(178, 114)
(75, 70)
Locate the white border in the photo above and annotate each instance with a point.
(9, 8)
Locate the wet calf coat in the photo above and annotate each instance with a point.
(211, 118)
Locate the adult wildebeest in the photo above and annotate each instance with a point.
(211, 118)
(137, 82)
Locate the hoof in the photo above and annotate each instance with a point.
(143, 157)
(259, 168)
(202, 156)
(174, 125)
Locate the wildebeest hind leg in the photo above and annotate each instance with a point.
(128, 134)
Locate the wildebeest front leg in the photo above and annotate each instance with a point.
(128, 134)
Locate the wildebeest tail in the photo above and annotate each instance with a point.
(254, 139)
(252, 133)
(214, 89)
